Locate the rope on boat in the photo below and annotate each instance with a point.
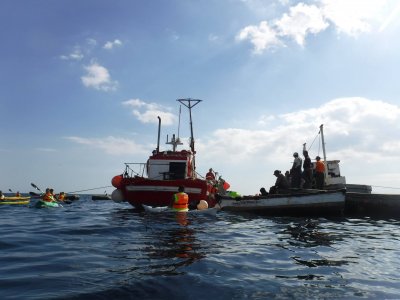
(101, 187)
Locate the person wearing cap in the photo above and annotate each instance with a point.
(307, 171)
(281, 184)
(210, 175)
(295, 171)
(319, 173)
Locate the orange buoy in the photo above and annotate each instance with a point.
(117, 181)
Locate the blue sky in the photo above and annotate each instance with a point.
(82, 84)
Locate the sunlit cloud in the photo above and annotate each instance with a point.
(149, 112)
(351, 17)
(393, 15)
(98, 77)
(262, 37)
(346, 17)
(301, 20)
(356, 123)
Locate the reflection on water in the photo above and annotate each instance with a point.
(101, 250)
(170, 243)
(307, 233)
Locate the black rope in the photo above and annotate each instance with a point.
(102, 187)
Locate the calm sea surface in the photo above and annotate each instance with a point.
(103, 250)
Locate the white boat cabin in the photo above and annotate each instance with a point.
(170, 165)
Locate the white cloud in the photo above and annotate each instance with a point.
(111, 145)
(351, 17)
(111, 44)
(76, 54)
(347, 17)
(98, 77)
(262, 37)
(301, 20)
(148, 112)
(362, 133)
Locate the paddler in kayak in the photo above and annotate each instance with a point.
(48, 196)
(61, 196)
(180, 201)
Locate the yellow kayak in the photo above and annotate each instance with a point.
(15, 200)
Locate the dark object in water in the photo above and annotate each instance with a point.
(101, 197)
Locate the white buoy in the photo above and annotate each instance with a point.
(202, 205)
(117, 196)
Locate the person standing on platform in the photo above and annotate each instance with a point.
(319, 173)
(210, 175)
(295, 171)
(307, 170)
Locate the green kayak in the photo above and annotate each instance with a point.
(41, 204)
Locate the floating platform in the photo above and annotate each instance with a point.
(372, 205)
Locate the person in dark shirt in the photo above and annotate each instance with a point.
(281, 184)
(307, 170)
(295, 171)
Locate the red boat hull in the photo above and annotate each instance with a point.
(139, 190)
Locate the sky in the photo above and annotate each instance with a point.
(82, 84)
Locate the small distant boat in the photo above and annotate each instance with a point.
(360, 200)
(72, 197)
(15, 200)
(166, 209)
(297, 203)
(101, 197)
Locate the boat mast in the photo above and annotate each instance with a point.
(189, 103)
(321, 130)
(158, 138)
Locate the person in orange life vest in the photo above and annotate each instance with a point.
(48, 197)
(17, 194)
(180, 201)
(210, 175)
(319, 173)
(61, 196)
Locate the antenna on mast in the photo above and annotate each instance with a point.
(179, 120)
(189, 103)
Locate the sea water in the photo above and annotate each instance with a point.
(104, 250)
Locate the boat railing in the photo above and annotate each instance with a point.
(135, 169)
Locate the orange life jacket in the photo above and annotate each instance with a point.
(319, 167)
(48, 197)
(181, 202)
(61, 197)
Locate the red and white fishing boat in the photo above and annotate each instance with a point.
(155, 182)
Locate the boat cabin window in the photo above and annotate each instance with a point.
(177, 170)
(166, 170)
